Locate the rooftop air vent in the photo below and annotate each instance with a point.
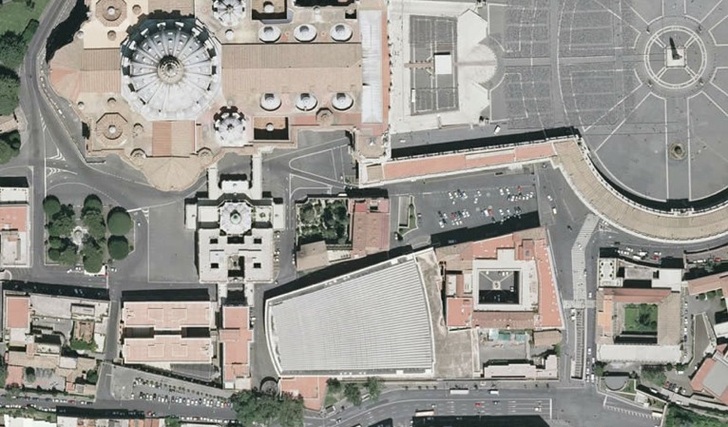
(270, 102)
(305, 33)
(341, 32)
(306, 102)
(269, 34)
(342, 101)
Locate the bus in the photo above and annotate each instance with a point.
(425, 413)
(459, 391)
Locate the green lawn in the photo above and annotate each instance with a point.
(15, 16)
(640, 318)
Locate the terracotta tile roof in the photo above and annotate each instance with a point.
(548, 299)
(235, 338)
(370, 228)
(709, 283)
(312, 389)
(185, 7)
(504, 319)
(459, 312)
(488, 248)
(167, 315)
(637, 296)
(461, 162)
(17, 312)
(173, 138)
(14, 217)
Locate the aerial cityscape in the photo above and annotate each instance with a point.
(363, 213)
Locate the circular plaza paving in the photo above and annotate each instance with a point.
(645, 83)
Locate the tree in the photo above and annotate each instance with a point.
(599, 369)
(9, 145)
(51, 206)
(118, 247)
(54, 254)
(92, 202)
(9, 86)
(93, 257)
(61, 225)
(172, 422)
(12, 50)
(374, 387)
(334, 385)
(94, 221)
(68, 256)
(119, 222)
(256, 407)
(352, 392)
(3, 374)
(29, 374)
(92, 377)
(308, 213)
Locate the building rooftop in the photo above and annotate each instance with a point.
(374, 320)
(167, 349)
(236, 338)
(167, 315)
(370, 226)
(17, 312)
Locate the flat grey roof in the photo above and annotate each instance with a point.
(372, 321)
(717, 380)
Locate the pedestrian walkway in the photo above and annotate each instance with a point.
(628, 411)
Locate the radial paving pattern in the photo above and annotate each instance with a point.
(644, 81)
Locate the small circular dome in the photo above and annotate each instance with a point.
(342, 101)
(111, 11)
(81, 105)
(306, 102)
(80, 34)
(341, 32)
(136, 9)
(111, 102)
(113, 129)
(228, 12)
(138, 129)
(305, 33)
(270, 102)
(269, 34)
(111, 35)
(269, 127)
(268, 7)
(229, 34)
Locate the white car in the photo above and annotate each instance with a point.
(496, 130)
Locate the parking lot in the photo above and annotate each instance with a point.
(472, 200)
(164, 392)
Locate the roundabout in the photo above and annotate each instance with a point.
(644, 83)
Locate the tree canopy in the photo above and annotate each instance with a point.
(92, 202)
(352, 392)
(119, 222)
(51, 206)
(9, 142)
(9, 86)
(254, 406)
(374, 387)
(12, 50)
(68, 256)
(93, 256)
(94, 222)
(118, 247)
(334, 385)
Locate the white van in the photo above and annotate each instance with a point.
(494, 392)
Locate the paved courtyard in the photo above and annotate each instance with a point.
(644, 81)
